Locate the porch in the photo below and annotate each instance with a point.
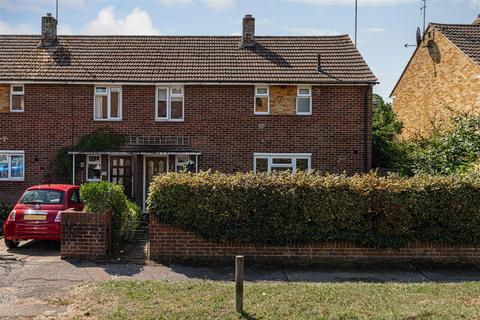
(133, 170)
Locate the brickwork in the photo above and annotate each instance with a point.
(219, 121)
(4, 98)
(169, 244)
(85, 235)
(283, 100)
(439, 76)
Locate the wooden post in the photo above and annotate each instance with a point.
(239, 283)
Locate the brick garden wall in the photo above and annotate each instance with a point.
(85, 235)
(170, 244)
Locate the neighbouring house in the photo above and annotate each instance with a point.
(442, 75)
(227, 103)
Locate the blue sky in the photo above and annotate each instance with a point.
(384, 25)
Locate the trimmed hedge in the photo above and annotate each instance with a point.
(283, 208)
(105, 196)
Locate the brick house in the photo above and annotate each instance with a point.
(442, 74)
(229, 103)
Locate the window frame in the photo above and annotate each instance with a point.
(108, 94)
(302, 95)
(170, 95)
(12, 93)
(292, 156)
(261, 95)
(9, 154)
(87, 162)
(178, 163)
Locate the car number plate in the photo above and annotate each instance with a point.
(35, 216)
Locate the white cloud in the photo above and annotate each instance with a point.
(64, 29)
(137, 22)
(476, 3)
(352, 2)
(219, 4)
(311, 31)
(374, 30)
(23, 28)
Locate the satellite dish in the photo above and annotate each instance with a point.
(419, 36)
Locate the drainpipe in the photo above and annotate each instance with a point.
(365, 131)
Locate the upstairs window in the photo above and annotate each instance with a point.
(265, 162)
(12, 165)
(108, 103)
(170, 104)
(262, 100)
(304, 101)
(17, 98)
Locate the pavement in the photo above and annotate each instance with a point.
(33, 274)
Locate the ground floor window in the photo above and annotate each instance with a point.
(94, 168)
(12, 165)
(268, 162)
(184, 163)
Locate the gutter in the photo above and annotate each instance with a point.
(365, 131)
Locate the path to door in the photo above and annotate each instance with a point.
(33, 274)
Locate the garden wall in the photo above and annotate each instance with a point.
(170, 244)
(85, 235)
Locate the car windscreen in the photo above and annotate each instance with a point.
(42, 197)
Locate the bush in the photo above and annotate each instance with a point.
(105, 196)
(285, 208)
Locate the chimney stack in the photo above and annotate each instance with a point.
(49, 31)
(477, 21)
(248, 34)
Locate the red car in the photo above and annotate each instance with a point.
(36, 216)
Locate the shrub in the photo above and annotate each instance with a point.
(5, 209)
(285, 208)
(105, 196)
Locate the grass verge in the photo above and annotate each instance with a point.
(215, 300)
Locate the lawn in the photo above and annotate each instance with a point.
(215, 300)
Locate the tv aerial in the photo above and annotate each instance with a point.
(419, 35)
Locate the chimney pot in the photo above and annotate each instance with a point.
(248, 34)
(477, 21)
(49, 31)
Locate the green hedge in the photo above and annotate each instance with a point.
(283, 208)
(106, 196)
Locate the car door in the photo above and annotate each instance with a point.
(74, 201)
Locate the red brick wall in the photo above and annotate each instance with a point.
(85, 235)
(218, 119)
(170, 244)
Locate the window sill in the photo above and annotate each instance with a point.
(13, 179)
(304, 114)
(17, 111)
(261, 113)
(108, 120)
(169, 120)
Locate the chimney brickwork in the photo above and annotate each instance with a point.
(49, 30)
(477, 21)
(248, 34)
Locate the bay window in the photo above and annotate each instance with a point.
(108, 103)
(268, 162)
(12, 165)
(169, 104)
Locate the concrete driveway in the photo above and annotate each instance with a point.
(33, 274)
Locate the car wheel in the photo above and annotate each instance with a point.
(12, 244)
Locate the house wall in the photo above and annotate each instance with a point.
(4, 98)
(219, 120)
(431, 83)
(283, 100)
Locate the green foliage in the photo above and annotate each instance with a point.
(94, 142)
(450, 148)
(106, 196)
(284, 208)
(5, 209)
(385, 127)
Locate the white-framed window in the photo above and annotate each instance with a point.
(262, 100)
(169, 104)
(12, 165)
(184, 163)
(108, 103)
(17, 98)
(304, 100)
(94, 168)
(268, 162)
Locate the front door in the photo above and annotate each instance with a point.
(153, 167)
(121, 172)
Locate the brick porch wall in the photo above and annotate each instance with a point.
(170, 244)
(85, 235)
